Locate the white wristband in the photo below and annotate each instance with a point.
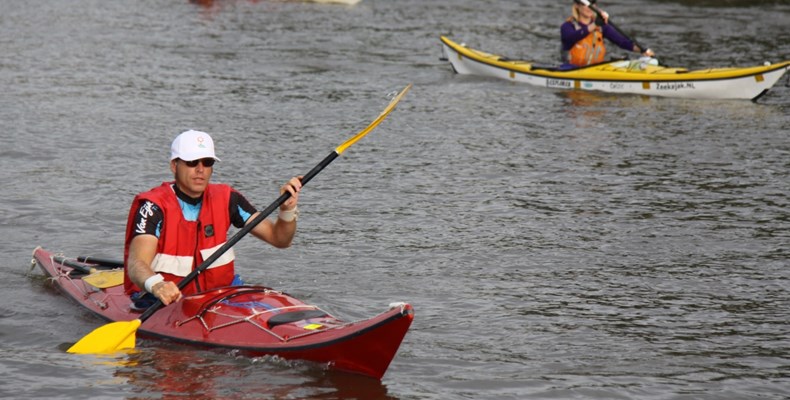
(153, 280)
(290, 215)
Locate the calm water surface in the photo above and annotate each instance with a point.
(554, 245)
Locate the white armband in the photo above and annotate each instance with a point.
(290, 215)
(153, 280)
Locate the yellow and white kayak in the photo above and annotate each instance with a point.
(622, 76)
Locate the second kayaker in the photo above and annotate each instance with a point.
(582, 37)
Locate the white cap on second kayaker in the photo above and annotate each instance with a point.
(192, 145)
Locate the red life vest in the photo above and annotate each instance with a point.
(589, 50)
(183, 245)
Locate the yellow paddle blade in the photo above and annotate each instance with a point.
(105, 279)
(108, 338)
(391, 106)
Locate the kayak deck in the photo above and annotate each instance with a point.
(256, 320)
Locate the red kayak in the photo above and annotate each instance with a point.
(256, 320)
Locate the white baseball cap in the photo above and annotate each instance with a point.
(192, 145)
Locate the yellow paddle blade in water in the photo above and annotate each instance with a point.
(105, 279)
(108, 338)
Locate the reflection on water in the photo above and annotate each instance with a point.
(182, 372)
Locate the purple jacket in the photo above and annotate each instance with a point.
(570, 35)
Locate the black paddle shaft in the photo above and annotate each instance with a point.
(102, 262)
(76, 265)
(642, 49)
(241, 233)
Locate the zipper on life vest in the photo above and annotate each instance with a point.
(196, 254)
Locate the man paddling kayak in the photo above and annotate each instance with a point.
(583, 33)
(172, 228)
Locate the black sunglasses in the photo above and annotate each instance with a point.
(207, 162)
